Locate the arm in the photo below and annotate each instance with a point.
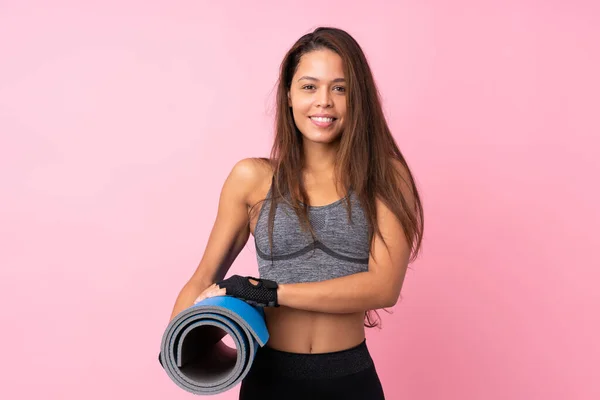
(379, 287)
(228, 236)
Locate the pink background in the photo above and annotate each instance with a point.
(120, 120)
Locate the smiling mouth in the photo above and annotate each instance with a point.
(322, 122)
(322, 119)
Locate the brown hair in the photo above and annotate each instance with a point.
(368, 155)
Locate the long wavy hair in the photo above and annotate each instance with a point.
(366, 154)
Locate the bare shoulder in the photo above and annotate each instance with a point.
(249, 175)
(253, 167)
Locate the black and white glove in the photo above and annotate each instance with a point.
(262, 294)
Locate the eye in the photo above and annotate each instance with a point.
(341, 88)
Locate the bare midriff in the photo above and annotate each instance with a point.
(300, 331)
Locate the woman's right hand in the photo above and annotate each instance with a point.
(211, 291)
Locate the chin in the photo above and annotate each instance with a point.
(322, 139)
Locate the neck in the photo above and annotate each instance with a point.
(319, 158)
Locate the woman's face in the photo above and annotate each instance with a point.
(318, 88)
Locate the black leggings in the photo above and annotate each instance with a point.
(348, 374)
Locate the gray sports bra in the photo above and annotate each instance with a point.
(341, 248)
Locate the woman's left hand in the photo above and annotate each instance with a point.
(255, 291)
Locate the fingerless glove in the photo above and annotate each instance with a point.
(263, 294)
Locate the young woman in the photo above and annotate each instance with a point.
(339, 221)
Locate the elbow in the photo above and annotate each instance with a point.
(388, 299)
(391, 302)
(384, 302)
(389, 293)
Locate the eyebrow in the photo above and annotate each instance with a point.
(310, 78)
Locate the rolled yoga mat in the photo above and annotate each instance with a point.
(193, 354)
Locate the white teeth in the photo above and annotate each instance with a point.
(322, 119)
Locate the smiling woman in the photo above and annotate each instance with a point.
(339, 220)
(326, 86)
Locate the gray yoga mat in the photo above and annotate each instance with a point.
(194, 356)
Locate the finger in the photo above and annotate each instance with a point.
(218, 292)
(200, 298)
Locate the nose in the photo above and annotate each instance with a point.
(324, 99)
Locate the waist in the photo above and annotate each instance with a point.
(300, 331)
(314, 365)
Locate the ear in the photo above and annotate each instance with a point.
(289, 99)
